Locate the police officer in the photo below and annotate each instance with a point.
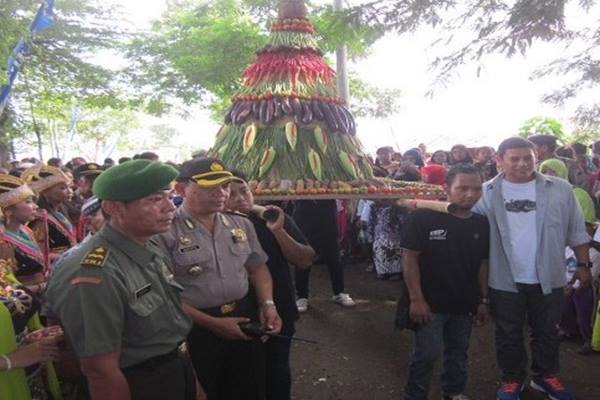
(215, 256)
(116, 299)
(83, 179)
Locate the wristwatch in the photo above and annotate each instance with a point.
(586, 265)
(485, 300)
(267, 303)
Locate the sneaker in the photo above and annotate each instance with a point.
(455, 397)
(551, 386)
(344, 300)
(509, 391)
(302, 304)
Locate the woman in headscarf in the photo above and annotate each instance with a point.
(578, 307)
(53, 230)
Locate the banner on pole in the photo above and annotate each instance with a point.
(43, 20)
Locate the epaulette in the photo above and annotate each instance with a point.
(96, 257)
(236, 213)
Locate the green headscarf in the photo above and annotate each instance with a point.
(556, 165)
(588, 208)
(583, 198)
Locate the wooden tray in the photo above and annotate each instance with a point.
(341, 196)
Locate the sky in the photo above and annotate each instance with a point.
(474, 110)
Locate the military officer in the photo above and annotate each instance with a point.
(116, 298)
(215, 257)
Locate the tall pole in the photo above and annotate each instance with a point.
(341, 56)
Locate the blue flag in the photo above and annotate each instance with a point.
(42, 21)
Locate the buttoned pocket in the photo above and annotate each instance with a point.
(240, 248)
(146, 304)
(192, 261)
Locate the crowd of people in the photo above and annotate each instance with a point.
(144, 279)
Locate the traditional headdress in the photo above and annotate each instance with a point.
(13, 191)
(42, 177)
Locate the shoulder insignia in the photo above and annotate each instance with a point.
(81, 280)
(96, 258)
(237, 214)
(189, 223)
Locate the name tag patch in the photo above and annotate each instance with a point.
(143, 290)
(184, 250)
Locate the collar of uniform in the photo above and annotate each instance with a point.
(221, 221)
(138, 253)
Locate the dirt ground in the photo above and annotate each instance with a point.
(359, 356)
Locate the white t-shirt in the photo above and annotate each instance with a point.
(520, 206)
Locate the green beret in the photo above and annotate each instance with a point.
(133, 180)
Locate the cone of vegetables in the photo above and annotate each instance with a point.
(287, 128)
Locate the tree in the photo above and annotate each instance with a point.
(543, 126)
(60, 69)
(197, 51)
(471, 30)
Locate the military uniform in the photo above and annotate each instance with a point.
(114, 295)
(213, 270)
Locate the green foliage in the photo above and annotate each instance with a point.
(543, 126)
(63, 68)
(197, 51)
(368, 100)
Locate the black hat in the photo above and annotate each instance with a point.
(206, 172)
(542, 140)
(87, 170)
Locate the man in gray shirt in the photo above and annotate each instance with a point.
(532, 218)
(216, 257)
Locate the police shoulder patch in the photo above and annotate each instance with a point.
(96, 257)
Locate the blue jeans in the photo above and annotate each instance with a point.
(448, 333)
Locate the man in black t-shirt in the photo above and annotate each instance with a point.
(445, 270)
(283, 242)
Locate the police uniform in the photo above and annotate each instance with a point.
(213, 269)
(112, 294)
(89, 171)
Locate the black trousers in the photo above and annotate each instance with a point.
(229, 369)
(318, 220)
(279, 376)
(511, 311)
(172, 378)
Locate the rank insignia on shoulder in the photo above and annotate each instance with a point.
(96, 258)
(239, 235)
(189, 223)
